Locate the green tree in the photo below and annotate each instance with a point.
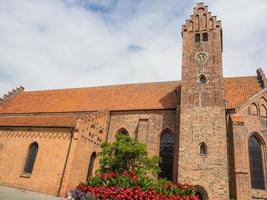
(127, 154)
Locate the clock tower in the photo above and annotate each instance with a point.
(203, 158)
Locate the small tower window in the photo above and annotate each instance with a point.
(203, 149)
(197, 38)
(205, 37)
(202, 80)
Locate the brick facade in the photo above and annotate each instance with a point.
(210, 117)
(202, 106)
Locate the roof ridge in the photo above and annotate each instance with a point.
(240, 77)
(104, 86)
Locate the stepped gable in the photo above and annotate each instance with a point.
(142, 96)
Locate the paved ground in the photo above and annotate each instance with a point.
(16, 194)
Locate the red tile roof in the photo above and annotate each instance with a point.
(47, 121)
(143, 96)
(238, 90)
(118, 97)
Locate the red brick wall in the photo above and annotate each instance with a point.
(90, 132)
(202, 108)
(47, 172)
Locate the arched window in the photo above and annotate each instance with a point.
(203, 149)
(253, 109)
(205, 37)
(263, 111)
(91, 165)
(201, 193)
(202, 80)
(166, 154)
(263, 115)
(197, 38)
(123, 131)
(32, 153)
(256, 163)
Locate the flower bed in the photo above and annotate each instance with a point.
(127, 173)
(128, 186)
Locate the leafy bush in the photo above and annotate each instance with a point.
(127, 154)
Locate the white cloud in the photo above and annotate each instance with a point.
(75, 43)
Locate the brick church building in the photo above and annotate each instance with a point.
(209, 130)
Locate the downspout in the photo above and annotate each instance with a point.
(65, 164)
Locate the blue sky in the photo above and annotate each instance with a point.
(48, 44)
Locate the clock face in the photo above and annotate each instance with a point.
(202, 57)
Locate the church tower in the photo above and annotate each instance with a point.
(203, 140)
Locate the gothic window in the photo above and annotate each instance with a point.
(123, 131)
(205, 37)
(166, 154)
(32, 153)
(201, 193)
(197, 38)
(253, 109)
(263, 111)
(91, 165)
(203, 149)
(202, 80)
(256, 163)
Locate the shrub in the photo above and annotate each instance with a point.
(127, 154)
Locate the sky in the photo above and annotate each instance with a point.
(48, 44)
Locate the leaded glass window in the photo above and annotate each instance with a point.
(33, 149)
(256, 164)
(91, 165)
(166, 154)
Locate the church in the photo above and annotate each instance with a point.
(209, 130)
